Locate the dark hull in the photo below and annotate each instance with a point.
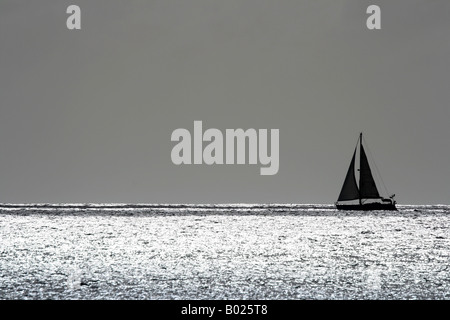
(367, 207)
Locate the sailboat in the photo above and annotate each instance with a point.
(365, 195)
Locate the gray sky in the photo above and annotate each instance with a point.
(86, 116)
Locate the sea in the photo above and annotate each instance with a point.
(228, 251)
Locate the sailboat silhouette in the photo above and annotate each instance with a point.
(366, 195)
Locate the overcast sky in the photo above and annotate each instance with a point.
(87, 115)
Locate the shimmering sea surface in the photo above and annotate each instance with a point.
(223, 252)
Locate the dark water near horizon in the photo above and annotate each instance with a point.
(253, 251)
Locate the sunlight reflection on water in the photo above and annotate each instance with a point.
(182, 253)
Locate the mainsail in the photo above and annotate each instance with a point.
(350, 190)
(367, 187)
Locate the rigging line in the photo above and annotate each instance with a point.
(357, 143)
(378, 171)
(357, 158)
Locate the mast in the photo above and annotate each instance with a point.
(360, 151)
